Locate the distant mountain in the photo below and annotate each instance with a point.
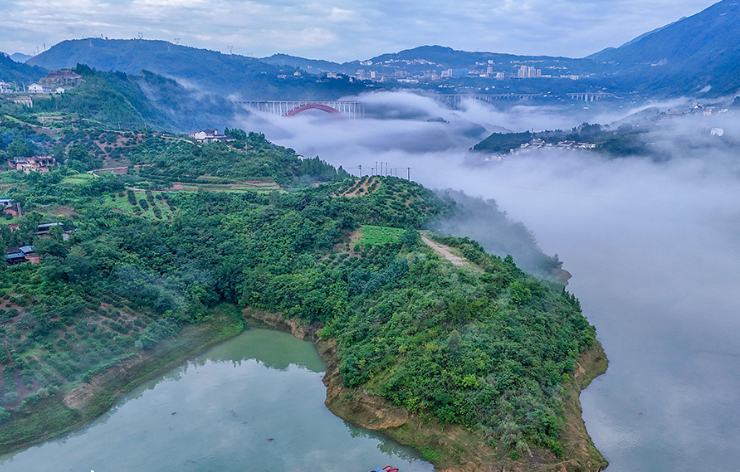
(225, 74)
(701, 52)
(11, 71)
(19, 57)
(695, 56)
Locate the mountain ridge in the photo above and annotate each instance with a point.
(694, 56)
(225, 74)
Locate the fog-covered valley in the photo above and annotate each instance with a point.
(652, 246)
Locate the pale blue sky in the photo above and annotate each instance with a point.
(344, 30)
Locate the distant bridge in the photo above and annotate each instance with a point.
(590, 96)
(455, 100)
(349, 109)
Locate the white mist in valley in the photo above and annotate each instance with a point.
(653, 248)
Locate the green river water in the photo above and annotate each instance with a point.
(218, 413)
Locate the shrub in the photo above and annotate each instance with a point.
(4, 415)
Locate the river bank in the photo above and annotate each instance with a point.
(452, 448)
(78, 404)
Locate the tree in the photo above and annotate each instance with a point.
(20, 148)
(78, 152)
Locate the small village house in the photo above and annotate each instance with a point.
(38, 88)
(18, 255)
(32, 164)
(210, 136)
(11, 207)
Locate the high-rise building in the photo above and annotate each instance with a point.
(528, 72)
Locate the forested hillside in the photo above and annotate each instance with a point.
(121, 101)
(19, 73)
(174, 250)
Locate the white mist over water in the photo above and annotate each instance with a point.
(654, 249)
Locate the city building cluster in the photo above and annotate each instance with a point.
(490, 70)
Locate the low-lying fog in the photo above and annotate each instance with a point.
(654, 249)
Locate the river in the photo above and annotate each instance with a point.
(254, 403)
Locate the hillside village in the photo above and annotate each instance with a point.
(55, 82)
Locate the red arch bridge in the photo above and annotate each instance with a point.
(349, 109)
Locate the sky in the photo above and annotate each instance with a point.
(344, 30)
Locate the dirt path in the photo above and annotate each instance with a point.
(445, 252)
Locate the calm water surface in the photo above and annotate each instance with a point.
(217, 413)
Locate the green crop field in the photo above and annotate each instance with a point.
(378, 235)
(78, 179)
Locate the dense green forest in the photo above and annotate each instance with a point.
(141, 256)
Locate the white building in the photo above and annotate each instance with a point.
(38, 88)
(210, 136)
(4, 87)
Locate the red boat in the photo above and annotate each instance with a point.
(388, 468)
